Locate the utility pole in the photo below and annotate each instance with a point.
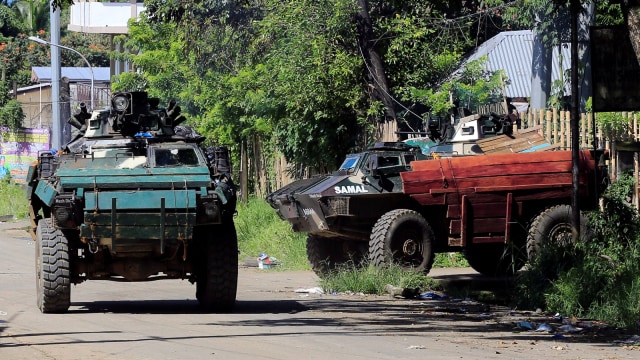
(575, 8)
(56, 118)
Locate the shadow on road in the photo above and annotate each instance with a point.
(183, 307)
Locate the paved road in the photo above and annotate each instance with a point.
(161, 320)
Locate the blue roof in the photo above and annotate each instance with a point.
(512, 51)
(74, 74)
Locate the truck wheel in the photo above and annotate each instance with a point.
(553, 225)
(497, 259)
(402, 237)
(217, 281)
(328, 254)
(53, 286)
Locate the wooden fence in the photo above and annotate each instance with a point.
(555, 127)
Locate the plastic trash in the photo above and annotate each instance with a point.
(314, 290)
(266, 262)
(433, 296)
(544, 327)
(525, 325)
(634, 340)
(558, 337)
(569, 329)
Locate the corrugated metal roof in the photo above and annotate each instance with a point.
(74, 74)
(512, 51)
(28, 88)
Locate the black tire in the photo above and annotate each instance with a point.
(553, 224)
(329, 254)
(402, 237)
(217, 280)
(496, 259)
(53, 282)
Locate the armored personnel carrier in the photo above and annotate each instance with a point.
(393, 204)
(338, 210)
(134, 197)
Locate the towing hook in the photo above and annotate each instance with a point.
(93, 245)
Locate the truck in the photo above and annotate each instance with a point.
(134, 196)
(390, 204)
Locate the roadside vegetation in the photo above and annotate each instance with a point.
(260, 231)
(13, 200)
(369, 279)
(599, 278)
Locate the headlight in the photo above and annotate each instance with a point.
(212, 211)
(120, 103)
(209, 212)
(62, 214)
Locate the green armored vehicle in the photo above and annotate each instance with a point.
(133, 197)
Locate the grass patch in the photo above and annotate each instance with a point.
(13, 200)
(450, 260)
(261, 231)
(369, 279)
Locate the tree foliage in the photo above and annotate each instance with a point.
(11, 114)
(33, 13)
(293, 74)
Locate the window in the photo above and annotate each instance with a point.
(349, 163)
(387, 161)
(176, 157)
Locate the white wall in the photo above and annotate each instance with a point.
(104, 18)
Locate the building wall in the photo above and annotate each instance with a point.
(36, 105)
(20, 148)
(103, 17)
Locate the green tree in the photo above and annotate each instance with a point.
(33, 13)
(288, 71)
(11, 114)
(299, 75)
(10, 24)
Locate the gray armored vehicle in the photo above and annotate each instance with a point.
(338, 210)
(133, 197)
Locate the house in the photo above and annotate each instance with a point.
(36, 99)
(512, 51)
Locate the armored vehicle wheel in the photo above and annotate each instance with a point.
(217, 280)
(402, 237)
(328, 254)
(53, 285)
(553, 225)
(496, 259)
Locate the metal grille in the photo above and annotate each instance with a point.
(339, 205)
